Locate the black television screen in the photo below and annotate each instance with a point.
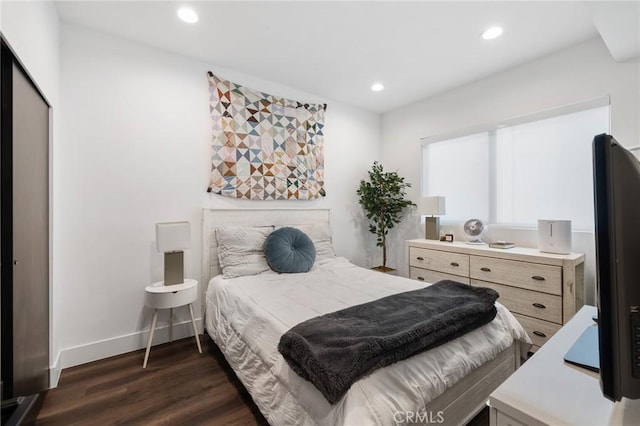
(616, 173)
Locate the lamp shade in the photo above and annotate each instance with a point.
(173, 236)
(433, 206)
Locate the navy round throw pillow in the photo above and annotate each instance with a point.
(289, 250)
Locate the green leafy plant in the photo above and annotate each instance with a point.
(383, 199)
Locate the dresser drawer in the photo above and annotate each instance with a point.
(532, 276)
(531, 303)
(440, 261)
(539, 331)
(434, 276)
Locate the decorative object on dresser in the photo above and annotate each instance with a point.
(502, 245)
(475, 229)
(542, 290)
(171, 239)
(447, 237)
(432, 207)
(383, 200)
(554, 236)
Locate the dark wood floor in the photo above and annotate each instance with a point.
(178, 387)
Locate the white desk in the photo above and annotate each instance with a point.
(160, 296)
(548, 391)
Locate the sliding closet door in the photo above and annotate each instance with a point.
(25, 219)
(30, 237)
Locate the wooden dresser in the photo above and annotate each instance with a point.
(542, 290)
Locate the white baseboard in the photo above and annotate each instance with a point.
(54, 372)
(81, 354)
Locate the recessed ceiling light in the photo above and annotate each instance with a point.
(188, 15)
(377, 87)
(492, 33)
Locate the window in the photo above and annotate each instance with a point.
(457, 168)
(518, 173)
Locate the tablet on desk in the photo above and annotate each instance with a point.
(584, 352)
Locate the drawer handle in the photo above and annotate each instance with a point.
(455, 264)
(537, 278)
(420, 279)
(420, 258)
(485, 269)
(539, 305)
(539, 334)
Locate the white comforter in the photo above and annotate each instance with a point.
(246, 317)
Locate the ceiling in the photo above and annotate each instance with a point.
(339, 49)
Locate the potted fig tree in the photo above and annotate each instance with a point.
(383, 199)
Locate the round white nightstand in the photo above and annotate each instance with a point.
(160, 296)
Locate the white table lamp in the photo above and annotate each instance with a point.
(432, 207)
(171, 239)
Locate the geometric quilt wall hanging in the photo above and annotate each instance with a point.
(264, 147)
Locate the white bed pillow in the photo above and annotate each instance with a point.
(241, 250)
(320, 234)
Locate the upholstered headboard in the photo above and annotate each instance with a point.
(213, 219)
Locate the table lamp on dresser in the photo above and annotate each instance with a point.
(171, 239)
(432, 207)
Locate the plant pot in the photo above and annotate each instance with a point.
(384, 269)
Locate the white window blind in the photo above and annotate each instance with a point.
(520, 173)
(457, 169)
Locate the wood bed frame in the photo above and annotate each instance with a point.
(459, 404)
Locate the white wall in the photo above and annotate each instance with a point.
(32, 31)
(580, 73)
(136, 151)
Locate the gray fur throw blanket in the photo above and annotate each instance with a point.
(335, 350)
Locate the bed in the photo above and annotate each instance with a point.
(246, 316)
